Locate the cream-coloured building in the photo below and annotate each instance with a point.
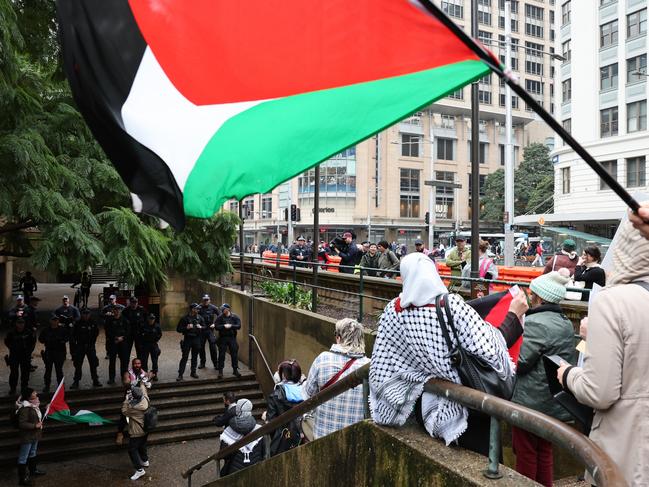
(378, 185)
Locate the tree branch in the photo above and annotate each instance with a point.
(12, 227)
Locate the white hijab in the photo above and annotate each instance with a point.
(421, 282)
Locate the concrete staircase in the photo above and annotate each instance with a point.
(101, 274)
(185, 412)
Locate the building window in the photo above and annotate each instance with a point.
(566, 52)
(502, 47)
(503, 99)
(514, 5)
(534, 58)
(484, 96)
(414, 119)
(234, 206)
(444, 148)
(267, 205)
(636, 23)
(636, 172)
(484, 17)
(608, 34)
(444, 196)
(337, 175)
(482, 178)
(636, 116)
(566, 90)
(409, 203)
(567, 125)
(454, 8)
(565, 13)
(608, 122)
(611, 168)
(457, 95)
(485, 37)
(501, 23)
(448, 122)
(249, 208)
(608, 77)
(533, 20)
(410, 145)
(636, 68)
(565, 180)
(484, 147)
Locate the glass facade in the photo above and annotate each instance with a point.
(337, 176)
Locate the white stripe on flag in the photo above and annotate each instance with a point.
(158, 116)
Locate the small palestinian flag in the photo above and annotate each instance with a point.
(201, 101)
(58, 409)
(493, 309)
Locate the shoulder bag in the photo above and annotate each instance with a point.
(473, 370)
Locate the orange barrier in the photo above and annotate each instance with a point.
(333, 263)
(269, 257)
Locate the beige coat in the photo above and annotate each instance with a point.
(135, 415)
(615, 378)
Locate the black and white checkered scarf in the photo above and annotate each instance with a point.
(410, 349)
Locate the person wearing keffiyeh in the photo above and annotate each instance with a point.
(241, 424)
(410, 349)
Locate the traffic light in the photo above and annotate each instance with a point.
(293, 213)
(427, 218)
(286, 214)
(298, 217)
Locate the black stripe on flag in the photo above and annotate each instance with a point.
(102, 49)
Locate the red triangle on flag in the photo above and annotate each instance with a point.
(58, 401)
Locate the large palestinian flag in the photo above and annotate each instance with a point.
(199, 101)
(58, 409)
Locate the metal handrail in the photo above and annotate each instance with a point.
(292, 264)
(596, 461)
(351, 380)
(262, 355)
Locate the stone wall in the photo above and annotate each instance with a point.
(368, 455)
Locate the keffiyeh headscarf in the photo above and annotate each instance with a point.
(421, 281)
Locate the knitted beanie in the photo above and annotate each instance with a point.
(569, 245)
(551, 287)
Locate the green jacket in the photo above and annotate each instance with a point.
(368, 261)
(454, 259)
(547, 332)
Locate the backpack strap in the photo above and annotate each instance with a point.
(333, 380)
(440, 302)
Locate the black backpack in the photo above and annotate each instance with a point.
(150, 419)
(13, 416)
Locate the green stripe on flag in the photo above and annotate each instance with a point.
(82, 417)
(274, 141)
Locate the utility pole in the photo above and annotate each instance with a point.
(432, 193)
(316, 238)
(289, 237)
(509, 146)
(475, 162)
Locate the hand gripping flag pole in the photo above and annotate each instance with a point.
(511, 80)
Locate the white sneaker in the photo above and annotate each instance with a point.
(145, 464)
(138, 473)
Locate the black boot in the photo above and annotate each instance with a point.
(75, 385)
(32, 463)
(23, 475)
(95, 382)
(236, 373)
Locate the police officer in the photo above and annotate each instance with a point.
(300, 253)
(209, 312)
(227, 325)
(84, 335)
(54, 338)
(135, 316)
(150, 335)
(109, 316)
(20, 341)
(68, 316)
(116, 335)
(190, 326)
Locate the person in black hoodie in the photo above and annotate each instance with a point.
(589, 271)
(287, 394)
(20, 341)
(54, 337)
(241, 424)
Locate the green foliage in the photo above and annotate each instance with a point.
(56, 178)
(533, 186)
(282, 292)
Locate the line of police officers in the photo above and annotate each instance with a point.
(124, 328)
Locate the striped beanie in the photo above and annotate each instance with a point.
(551, 287)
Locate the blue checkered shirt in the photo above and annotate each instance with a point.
(343, 410)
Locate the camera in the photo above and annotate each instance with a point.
(338, 243)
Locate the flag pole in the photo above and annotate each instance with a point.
(47, 410)
(494, 64)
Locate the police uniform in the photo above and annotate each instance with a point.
(20, 345)
(191, 341)
(54, 339)
(149, 337)
(68, 315)
(228, 339)
(108, 313)
(117, 334)
(209, 314)
(84, 336)
(135, 318)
